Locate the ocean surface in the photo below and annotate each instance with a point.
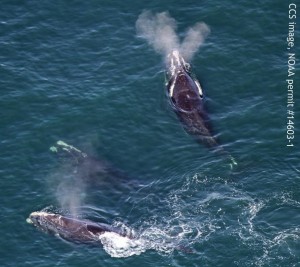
(77, 71)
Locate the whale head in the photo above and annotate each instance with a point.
(184, 90)
(44, 221)
(66, 227)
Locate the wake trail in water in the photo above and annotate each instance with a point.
(202, 211)
(160, 32)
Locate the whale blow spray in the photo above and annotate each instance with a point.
(184, 90)
(160, 32)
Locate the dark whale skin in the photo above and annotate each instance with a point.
(187, 100)
(71, 229)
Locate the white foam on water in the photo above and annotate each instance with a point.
(152, 238)
(119, 246)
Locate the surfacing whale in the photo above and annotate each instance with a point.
(187, 99)
(73, 229)
(118, 242)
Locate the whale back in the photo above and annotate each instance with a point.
(71, 229)
(185, 94)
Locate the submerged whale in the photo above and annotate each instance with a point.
(73, 229)
(88, 167)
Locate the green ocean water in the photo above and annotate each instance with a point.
(77, 71)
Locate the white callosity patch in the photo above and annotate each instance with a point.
(199, 88)
(68, 148)
(177, 64)
(175, 54)
(171, 90)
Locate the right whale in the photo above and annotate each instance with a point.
(87, 167)
(186, 97)
(72, 229)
